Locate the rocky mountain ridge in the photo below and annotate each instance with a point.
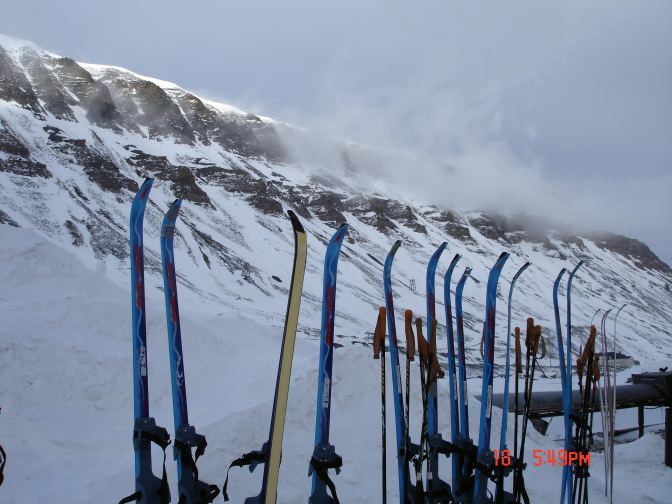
(76, 139)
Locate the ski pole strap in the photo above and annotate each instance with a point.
(3, 461)
(251, 459)
(323, 459)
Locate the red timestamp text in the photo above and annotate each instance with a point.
(546, 457)
(560, 457)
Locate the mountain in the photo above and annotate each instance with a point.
(76, 139)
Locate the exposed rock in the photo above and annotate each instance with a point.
(183, 182)
(97, 167)
(93, 96)
(11, 145)
(329, 207)
(47, 87)
(15, 86)
(17, 159)
(148, 105)
(634, 249)
(381, 213)
(453, 225)
(77, 239)
(6, 219)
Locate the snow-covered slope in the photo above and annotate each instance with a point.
(67, 411)
(75, 140)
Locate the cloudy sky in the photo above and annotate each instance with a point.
(569, 100)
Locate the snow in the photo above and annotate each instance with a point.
(97, 71)
(66, 420)
(65, 346)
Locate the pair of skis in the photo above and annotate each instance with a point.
(565, 363)
(408, 453)
(324, 455)
(150, 489)
(270, 453)
(607, 395)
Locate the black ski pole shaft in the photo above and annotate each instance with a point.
(410, 356)
(423, 351)
(518, 369)
(378, 350)
(531, 342)
(433, 373)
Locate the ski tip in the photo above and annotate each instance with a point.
(143, 190)
(395, 246)
(296, 223)
(341, 231)
(171, 215)
(581, 263)
(456, 258)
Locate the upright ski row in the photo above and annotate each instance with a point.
(473, 465)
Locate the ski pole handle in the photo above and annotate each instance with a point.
(519, 364)
(379, 333)
(410, 338)
(529, 332)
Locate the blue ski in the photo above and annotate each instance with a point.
(190, 489)
(149, 489)
(563, 378)
(500, 492)
(507, 368)
(462, 490)
(485, 455)
(566, 492)
(432, 414)
(452, 378)
(324, 456)
(406, 490)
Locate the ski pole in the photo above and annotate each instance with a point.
(410, 355)
(423, 353)
(378, 349)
